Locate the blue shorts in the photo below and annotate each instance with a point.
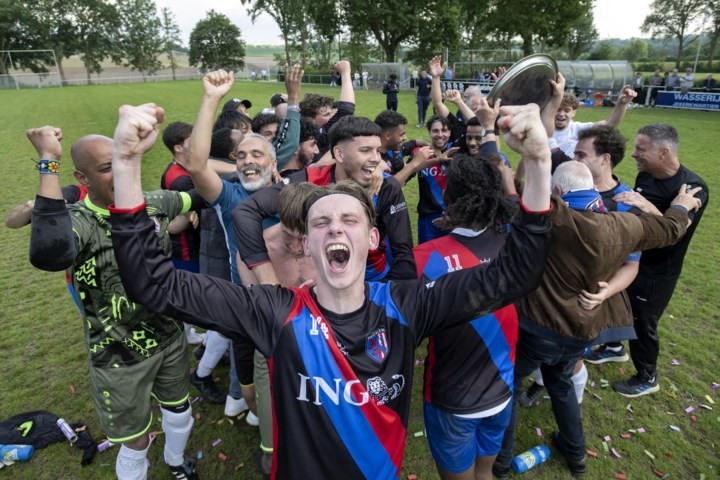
(427, 231)
(456, 441)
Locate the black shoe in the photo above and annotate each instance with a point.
(577, 467)
(501, 471)
(604, 354)
(637, 385)
(263, 462)
(186, 471)
(531, 395)
(199, 352)
(207, 387)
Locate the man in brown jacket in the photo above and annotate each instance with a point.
(586, 247)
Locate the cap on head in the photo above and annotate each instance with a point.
(234, 103)
(277, 99)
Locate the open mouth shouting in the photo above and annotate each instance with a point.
(338, 257)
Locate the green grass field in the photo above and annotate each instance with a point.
(43, 360)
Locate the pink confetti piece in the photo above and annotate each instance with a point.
(675, 362)
(641, 430)
(620, 476)
(614, 452)
(592, 454)
(693, 418)
(625, 436)
(689, 409)
(538, 431)
(417, 362)
(592, 383)
(412, 476)
(72, 388)
(222, 456)
(216, 442)
(606, 438)
(622, 371)
(714, 387)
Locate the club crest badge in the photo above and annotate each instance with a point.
(377, 345)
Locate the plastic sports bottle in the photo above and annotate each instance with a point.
(530, 459)
(16, 452)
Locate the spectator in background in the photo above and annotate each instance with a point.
(687, 81)
(673, 81)
(709, 84)
(639, 87)
(656, 82)
(422, 97)
(391, 89)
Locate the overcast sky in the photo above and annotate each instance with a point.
(613, 18)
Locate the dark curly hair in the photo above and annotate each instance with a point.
(389, 120)
(232, 119)
(313, 102)
(221, 145)
(474, 194)
(607, 140)
(262, 119)
(175, 134)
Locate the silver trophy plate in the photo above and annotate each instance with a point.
(527, 81)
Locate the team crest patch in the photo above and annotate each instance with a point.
(377, 345)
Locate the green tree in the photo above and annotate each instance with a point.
(140, 38)
(391, 23)
(582, 36)
(21, 29)
(713, 17)
(327, 24)
(285, 13)
(439, 27)
(636, 49)
(215, 43)
(673, 18)
(603, 51)
(171, 37)
(545, 22)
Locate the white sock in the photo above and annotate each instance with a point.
(579, 380)
(131, 464)
(537, 377)
(177, 428)
(215, 347)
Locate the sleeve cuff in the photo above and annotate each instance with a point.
(536, 212)
(131, 210)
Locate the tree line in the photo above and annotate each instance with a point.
(315, 32)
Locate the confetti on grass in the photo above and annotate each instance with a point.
(72, 388)
(647, 452)
(607, 438)
(592, 454)
(689, 409)
(614, 452)
(606, 448)
(641, 430)
(620, 476)
(538, 431)
(216, 442)
(222, 456)
(676, 428)
(626, 436)
(412, 476)
(709, 399)
(418, 434)
(199, 455)
(675, 362)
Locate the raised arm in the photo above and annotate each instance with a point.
(616, 116)
(436, 69)
(288, 137)
(524, 133)
(207, 182)
(551, 108)
(52, 246)
(347, 93)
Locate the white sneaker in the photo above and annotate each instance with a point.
(235, 406)
(252, 419)
(194, 338)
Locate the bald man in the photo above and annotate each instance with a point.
(134, 353)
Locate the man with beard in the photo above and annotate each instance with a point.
(307, 148)
(255, 162)
(354, 144)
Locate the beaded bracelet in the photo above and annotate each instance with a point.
(47, 166)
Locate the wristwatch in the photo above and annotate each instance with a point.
(487, 132)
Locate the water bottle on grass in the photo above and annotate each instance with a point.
(530, 459)
(16, 452)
